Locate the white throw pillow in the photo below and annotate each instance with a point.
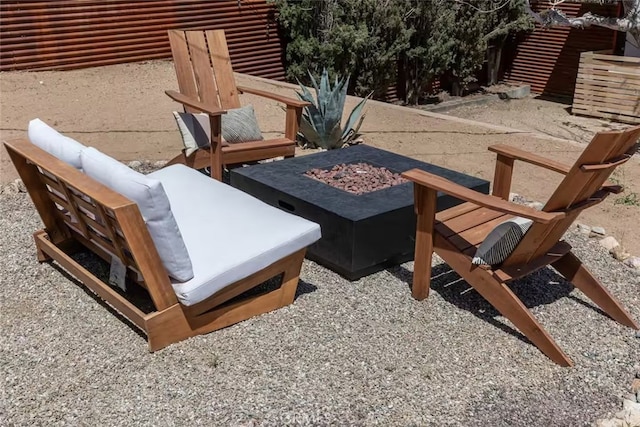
(154, 206)
(238, 125)
(50, 140)
(501, 241)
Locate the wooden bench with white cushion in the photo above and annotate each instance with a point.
(196, 244)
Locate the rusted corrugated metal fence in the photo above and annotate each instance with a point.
(67, 34)
(548, 59)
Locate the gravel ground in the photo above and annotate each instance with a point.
(345, 353)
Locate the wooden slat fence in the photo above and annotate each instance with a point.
(608, 86)
(548, 58)
(64, 34)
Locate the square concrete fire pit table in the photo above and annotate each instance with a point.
(363, 233)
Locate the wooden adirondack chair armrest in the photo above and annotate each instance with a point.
(284, 99)
(194, 103)
(294, 109)
(504, 167)
(439, 183)
(525, 156)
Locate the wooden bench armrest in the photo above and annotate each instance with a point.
(284, 99)
(438, 183)
(534, 159)
(194, 103)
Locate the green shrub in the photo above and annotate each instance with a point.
(382, 42)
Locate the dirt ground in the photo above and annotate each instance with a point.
(123, 111)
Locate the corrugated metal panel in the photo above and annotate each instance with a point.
(548, 59)
(67, 34)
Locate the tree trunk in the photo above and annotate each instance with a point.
(494, 60)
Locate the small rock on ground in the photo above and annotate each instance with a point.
(609, 243)
(583, 228)
(633, 262)
(619, 253)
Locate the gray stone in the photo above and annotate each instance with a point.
(583, 228)
(633, 262)
(20, 186)
(516, 92)
(10, 189)
(609, 243)
(633, 419)
(619, 253)
(135, 164)
(159, 164)
(613, 422)
(597, 232)
(632, 405)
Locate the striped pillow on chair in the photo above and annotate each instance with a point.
(501, 241)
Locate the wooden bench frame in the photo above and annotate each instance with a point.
(79, 212)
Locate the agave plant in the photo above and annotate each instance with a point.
(320, 126)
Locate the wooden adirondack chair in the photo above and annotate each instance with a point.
(207, 85)
(455, 233)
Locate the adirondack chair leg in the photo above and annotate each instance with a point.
(499, 295)
(575, 272)
(425, 203)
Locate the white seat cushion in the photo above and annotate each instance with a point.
(501, 241)
(154, 206)
(229, 234)
(50, 140)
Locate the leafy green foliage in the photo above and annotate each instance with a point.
(321, 121)
(361, 38)
(629, 199)
(381, 42)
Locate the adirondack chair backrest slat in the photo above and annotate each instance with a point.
(578, 186)
(203, 67)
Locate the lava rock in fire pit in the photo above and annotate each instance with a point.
(357, 178)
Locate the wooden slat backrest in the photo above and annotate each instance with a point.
(221, 62)
(182, 65)
(581, 183)
(72, 205)
(203, 67)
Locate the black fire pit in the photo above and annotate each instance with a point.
(363, 233)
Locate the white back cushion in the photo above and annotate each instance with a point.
(50, 140)
(154, 206)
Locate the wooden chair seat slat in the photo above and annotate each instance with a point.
(456, 211)
(473, 219)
